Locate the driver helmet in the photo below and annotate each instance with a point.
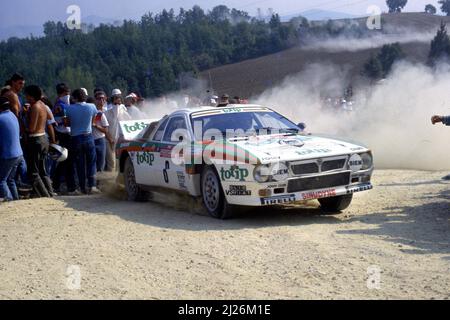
(58, 153)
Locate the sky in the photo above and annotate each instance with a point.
(32, 12)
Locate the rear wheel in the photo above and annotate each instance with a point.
(335, 205)
(134, 192)
(213, 196)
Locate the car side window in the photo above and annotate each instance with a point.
(176, 123)
(160, 132)
(151, 128)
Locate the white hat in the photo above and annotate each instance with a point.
(85, 91)
(131, 96)
(116, 92)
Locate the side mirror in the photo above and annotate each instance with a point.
(302, 126)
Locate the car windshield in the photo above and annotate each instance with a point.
(243, 124)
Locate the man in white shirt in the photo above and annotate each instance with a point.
(100, 131)
(133, 111)
(116, 112)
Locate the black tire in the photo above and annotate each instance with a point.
(335, 205)
(213, 196)
(134, 192)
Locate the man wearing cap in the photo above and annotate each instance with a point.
(133, 111)
(117, 112)
(446, 121)
(224, 101)
(115, 94)
(10, 151)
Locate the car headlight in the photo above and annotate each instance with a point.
(271, 172)
(262, 173)
(367, 159)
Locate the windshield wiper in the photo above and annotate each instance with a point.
(277, 130)
(290, 130)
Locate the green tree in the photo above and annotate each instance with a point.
(220, 13)
(429, 8)
(77, 78)
(379, 66)
(445, 6)
(373, 68)
(388, 55)
(440, 45)
(146, 56)
(396, 5)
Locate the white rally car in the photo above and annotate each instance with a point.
(240, 156)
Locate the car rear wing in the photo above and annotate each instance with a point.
(133, 129)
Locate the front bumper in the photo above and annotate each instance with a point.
(249, 199)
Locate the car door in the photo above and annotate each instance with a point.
(173, 173)
(147, 159)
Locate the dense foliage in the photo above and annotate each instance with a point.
(380, 65)
(440, 46)
(429, 8)
(445, 6)
(149, 56)
(396, 5)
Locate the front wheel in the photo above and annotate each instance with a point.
(134, 192)
(335, 205)
(213, 196)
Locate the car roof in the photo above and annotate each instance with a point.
(190, 111)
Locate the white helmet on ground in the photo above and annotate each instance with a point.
(58, 153)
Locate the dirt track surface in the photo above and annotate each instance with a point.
(153, 251)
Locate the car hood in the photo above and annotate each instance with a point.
(270, 148)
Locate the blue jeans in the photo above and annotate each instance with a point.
(65, 169)
(8, 170)
(83, 147)
(22, 170)
(100, 150)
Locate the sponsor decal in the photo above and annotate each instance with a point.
(278, 200)
(238, 191)
(292, 142)
(181, 180)
(232, 110)
(355, 189)
(355, 163)
(319, 194)
(235, 173)
(134, 128)
(130, 129)
(311, 151)
(166, 152)
(275, 186)
(271, 158)
(280, 172)
(228, 110)
(145, 157)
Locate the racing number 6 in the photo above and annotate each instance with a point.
(166, 175)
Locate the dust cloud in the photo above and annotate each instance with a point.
(391, 117)
(352, 44)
